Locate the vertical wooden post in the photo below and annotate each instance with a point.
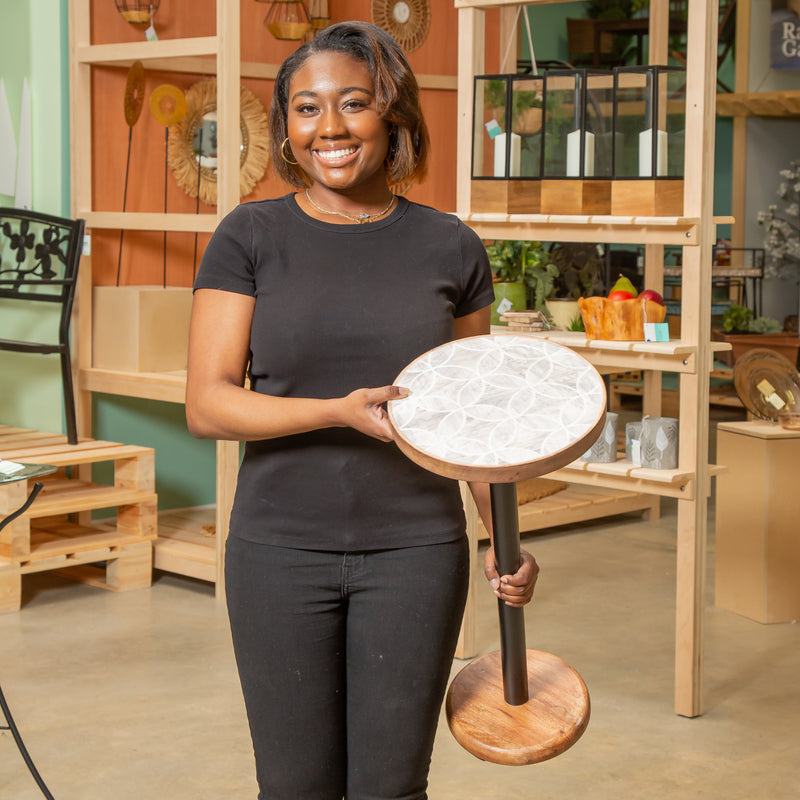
(466, 646)
(471, 30)
(741, 85)
(228, 94)
(696, 330)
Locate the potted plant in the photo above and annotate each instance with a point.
(579, 275)
(527, 110)
(523, 276)
(744, 332)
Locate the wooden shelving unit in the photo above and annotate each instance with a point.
(183, 543)
(691, 356)
(218, 55)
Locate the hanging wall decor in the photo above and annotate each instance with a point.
(319, 12)
(137, 12)
(287, 20)
(168, 106)
(408, 21)
(133, 102)
(193, 145)
(506, 143)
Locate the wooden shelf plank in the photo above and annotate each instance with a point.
(759, 104)
(146, 221)
(169, 387)
(147, 51)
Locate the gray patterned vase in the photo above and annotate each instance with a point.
(604, 450)
(659, 443)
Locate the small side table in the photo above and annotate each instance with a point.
(757, 533)
(29, 472)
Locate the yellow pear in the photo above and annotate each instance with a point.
(624, 284)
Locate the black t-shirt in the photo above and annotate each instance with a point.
(342, 307)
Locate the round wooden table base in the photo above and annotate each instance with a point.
(552, 720)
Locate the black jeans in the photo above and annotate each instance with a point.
(344, 660)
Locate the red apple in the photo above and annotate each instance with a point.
(621, 295)
(652, 294)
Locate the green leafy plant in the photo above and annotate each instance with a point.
(515, 261)
(576, 324)
(495, 98)
(579, 270)
(764, 325)
(736, 319)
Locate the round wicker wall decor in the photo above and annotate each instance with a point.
(407, 21)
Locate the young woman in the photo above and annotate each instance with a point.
(346, 564)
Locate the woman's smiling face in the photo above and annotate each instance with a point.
(335, 132)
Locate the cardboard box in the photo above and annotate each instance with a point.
(140, 328)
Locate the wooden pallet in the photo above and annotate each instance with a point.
(57, 533)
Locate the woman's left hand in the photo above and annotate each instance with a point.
(516, 589)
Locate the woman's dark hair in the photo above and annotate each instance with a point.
(396, 99)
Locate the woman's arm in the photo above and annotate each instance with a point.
(219, 407)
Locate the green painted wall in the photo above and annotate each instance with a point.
(33, 47)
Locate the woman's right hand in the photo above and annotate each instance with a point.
(364, 410)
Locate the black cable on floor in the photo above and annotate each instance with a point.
(20, 744)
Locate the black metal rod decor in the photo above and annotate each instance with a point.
(505, 523)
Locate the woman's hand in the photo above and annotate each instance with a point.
(516, 589)
(363, 410)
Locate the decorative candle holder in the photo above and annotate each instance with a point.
(604, 450)
(649, 122)
(577, 153)
(659, 443)
(506, 143)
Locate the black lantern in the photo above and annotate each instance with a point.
(577, 161)
(506, 143)
(649, 129)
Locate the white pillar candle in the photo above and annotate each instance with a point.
(646, 153)
(500, 156)
(573, 154)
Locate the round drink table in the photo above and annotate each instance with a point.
(500, 409)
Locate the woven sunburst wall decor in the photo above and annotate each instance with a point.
(407, 20)
(201, 98)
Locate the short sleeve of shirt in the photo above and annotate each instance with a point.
(228, 262)
(476, 273)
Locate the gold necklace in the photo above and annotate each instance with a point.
(359, 219)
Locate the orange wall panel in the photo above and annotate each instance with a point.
(152, 187)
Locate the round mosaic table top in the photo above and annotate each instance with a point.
(498, 408)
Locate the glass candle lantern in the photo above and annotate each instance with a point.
(649, 120)
(577, 153)
(506, 143)
(649, 134)
(579, 124)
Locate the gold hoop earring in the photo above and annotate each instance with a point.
(283, 151)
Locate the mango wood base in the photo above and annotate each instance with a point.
(553, 719)
(506, 197)
(576, 197)
(647, 198)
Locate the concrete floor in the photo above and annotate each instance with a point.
(135, 695)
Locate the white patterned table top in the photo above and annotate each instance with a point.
(498, 408)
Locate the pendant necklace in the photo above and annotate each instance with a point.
(359, 219)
